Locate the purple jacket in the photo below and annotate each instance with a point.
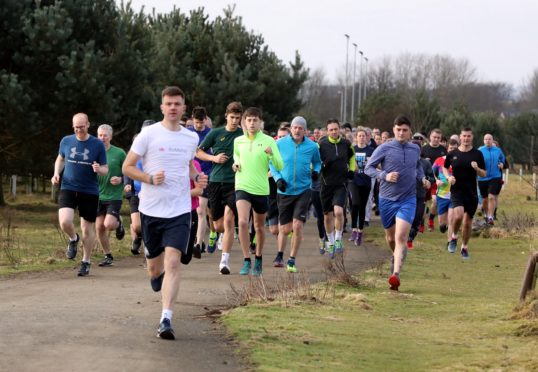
(396, 157)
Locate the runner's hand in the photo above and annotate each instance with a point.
(268, 150)
(220, 158)
(452, 180)
(392, 177)
(55, 179)
(158, 178)
(236, 167)
(115, 180)
(202, 180)
(474, 164)
(95, 166)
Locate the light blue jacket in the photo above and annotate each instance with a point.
(492, 157)
(300, 160)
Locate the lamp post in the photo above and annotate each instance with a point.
(341, 104)
(360, 80)
(366, 76)
(353, 86)
(346, 78)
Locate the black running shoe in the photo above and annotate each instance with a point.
(203, 247)
(157, 283)
(107, 261)
(84, 269)
(72, 248)
(165, 330)
(120, 230)
(135, 248)
(197, 251)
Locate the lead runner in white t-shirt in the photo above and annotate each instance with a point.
(167, 150)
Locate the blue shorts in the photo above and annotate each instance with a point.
(402, 209)
(159, 233)
(443, 205)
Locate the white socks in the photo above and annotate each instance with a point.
(167, 314)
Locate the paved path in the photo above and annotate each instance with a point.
(108, 320)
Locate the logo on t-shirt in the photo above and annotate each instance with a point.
(83, 154)
(222, 139)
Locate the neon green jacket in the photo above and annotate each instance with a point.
(250, 155)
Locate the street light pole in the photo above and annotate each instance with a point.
(346, 78)
(360, 80)
(341, 104)
(353, 87)
(366, 76)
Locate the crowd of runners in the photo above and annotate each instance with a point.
(194, 190)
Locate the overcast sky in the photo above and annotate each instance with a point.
(498, 37)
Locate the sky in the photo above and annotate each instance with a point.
(498, 37)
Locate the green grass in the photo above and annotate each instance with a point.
(36, 244)
(449, 315)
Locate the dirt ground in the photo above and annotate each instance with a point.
(108, 320)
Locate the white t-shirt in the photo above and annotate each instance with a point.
(169, 151)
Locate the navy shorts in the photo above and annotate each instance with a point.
(402, 209)
(219, 196)
(159, 233)
(111, 207)
(332, 195)
(443, 205)
(490, 187)
(293, 207)
(86, 203)
(258, 202)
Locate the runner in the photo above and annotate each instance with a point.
(110, 195)
(400, 170)
(466, 162)
(81, 158)
(432, 151)
(167, 150)
(490, 186)
(220, 191)
(302, 164)
(252, 153)
(360, 187)
(338, 165)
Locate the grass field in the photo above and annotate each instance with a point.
(449, 314)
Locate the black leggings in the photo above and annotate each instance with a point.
(359, 199)
(186, 258)
(316, 201)
(419, 216)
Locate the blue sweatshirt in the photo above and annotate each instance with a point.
(492, 157)
(299, 161)
(396, 157)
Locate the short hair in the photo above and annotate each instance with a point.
(253, 111)
(284, 124)
(346, 125)
(332, 121)
(466, 129)
(402, 120)
(172, 92)
(107, 128)
(453, 142)
(436, 130)
(286, 129)
(234, 108)
(199, 113)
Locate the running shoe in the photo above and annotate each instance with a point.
(219, 242)
(431, 224)
(107, 261)
(165, 330)
(252, 248)
(135, 247)
(224, 268)
(257, 270)
(421, 228)
(465, 253)
(330, 250)
(212, 244)
(490, 221)
(394, 282)
(84, 269)
(245, 270)
(322, 246)
(366, 223)
(120, 230)
(203, 250)
(452, 245)
(409, 244)
(338, 247)
(157, 283)
(291, 266)
(197, 251)
(72, 248)
(358, 240)
(353, 236)
(278, 262)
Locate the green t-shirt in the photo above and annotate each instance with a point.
(254, 161)
(107, 191)
(219, 140)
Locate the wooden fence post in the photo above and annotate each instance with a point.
(14, 185)
(529, 279)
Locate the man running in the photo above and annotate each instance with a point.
(400, 170)
(490, 186)
(432, 151)
(221, 192)
(301, 164)
(338, 165)
(81, 158)
(252, 153)
(466, 162)
(110, 195)
(167, 151)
